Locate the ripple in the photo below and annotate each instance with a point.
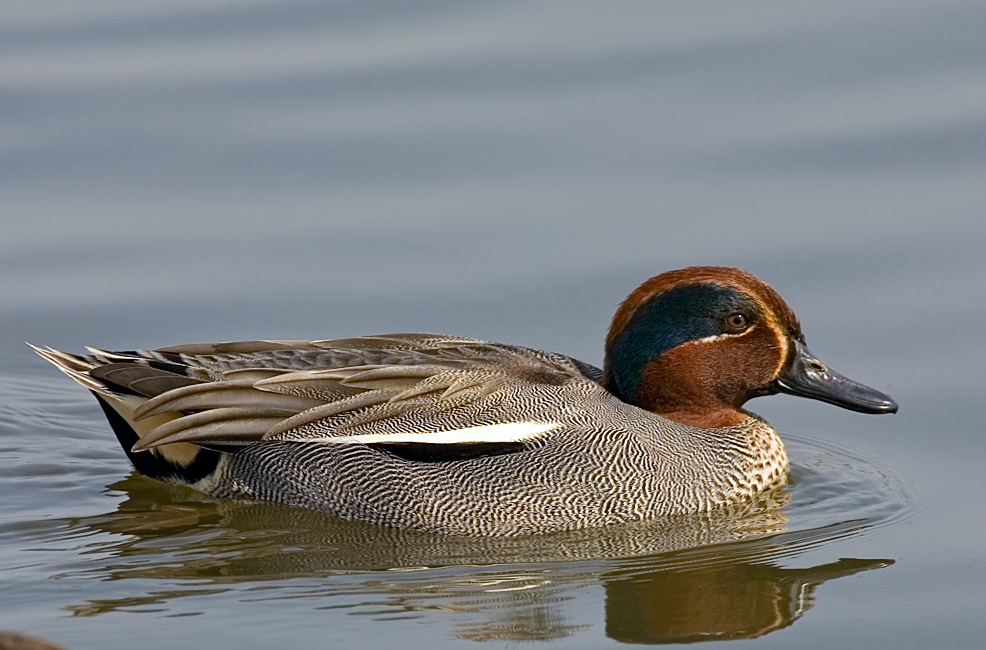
(832, 483)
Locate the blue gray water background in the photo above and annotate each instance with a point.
(197, 171)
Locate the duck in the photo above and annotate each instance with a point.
(461, 436)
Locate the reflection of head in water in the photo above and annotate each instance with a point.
(716, 602)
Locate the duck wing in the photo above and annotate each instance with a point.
(214, 361)
(419, 396)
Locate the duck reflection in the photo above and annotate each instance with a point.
(688, 579)
(738, 601)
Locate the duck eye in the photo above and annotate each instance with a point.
(737, 322)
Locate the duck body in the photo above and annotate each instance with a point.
(629, 464)
(462, 436)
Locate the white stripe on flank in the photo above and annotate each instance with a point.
(509, 432)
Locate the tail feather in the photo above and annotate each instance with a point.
(72, 365)
(121, 383)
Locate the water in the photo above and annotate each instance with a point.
(234, 170)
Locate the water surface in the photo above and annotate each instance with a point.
(242, 169)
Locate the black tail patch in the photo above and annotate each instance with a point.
(153, 464)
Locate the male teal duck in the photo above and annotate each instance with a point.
(456, 435)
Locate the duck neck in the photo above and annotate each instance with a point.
(689, 395)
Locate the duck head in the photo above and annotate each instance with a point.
(695, 344)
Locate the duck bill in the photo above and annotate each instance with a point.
(806, 376)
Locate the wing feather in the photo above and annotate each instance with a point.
(217, 426)
(421, 396)
(214, 395)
